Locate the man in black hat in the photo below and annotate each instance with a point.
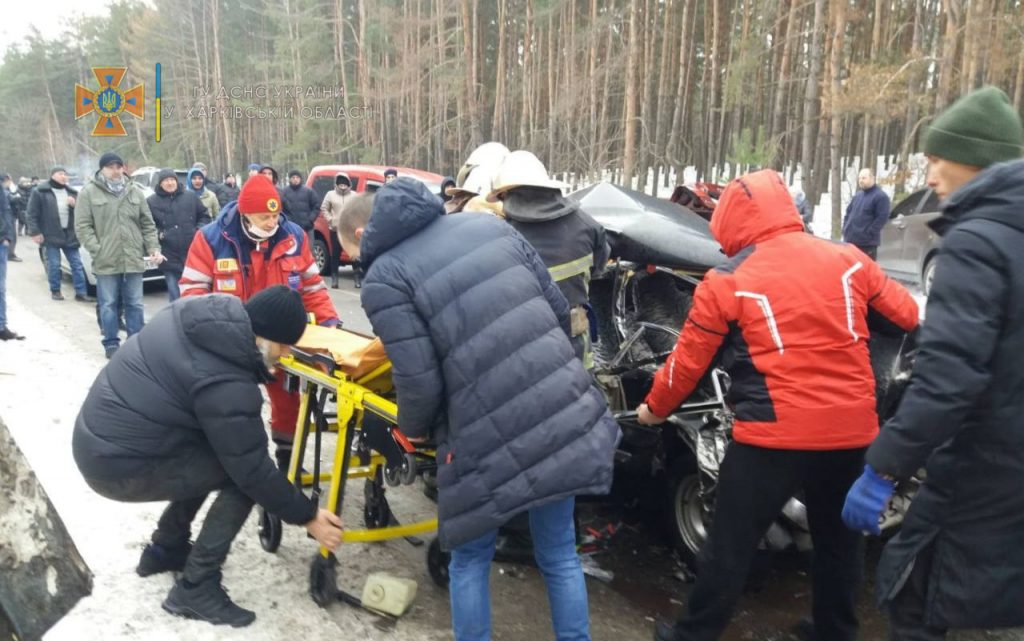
(300, 202)
(175, 415)
(390, 174)
(51, 224)
(114, 224)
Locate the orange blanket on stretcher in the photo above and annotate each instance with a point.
(356, 355)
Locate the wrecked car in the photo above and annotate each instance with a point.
(660, 252)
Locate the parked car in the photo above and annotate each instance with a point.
(145, 177)
(365, 178)
(909, 247)
(152, 274)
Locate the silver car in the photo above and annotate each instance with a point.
(909, 247)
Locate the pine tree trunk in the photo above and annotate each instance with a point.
(836, 135)
(811, 93)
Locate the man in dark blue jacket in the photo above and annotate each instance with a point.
(866, 214)
(176, 416)
(957, 561)
(301, 202)
(7, 236)
(478, 336)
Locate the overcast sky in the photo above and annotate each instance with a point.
(48, 16)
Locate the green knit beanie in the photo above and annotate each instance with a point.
(980, 129)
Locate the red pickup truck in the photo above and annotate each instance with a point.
(365, 178)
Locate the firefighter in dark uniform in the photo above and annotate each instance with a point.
(571, 243)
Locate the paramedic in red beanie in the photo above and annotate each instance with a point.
(249, 247)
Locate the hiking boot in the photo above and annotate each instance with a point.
(207, 601)
(56, 296)
(8, 335)
(84, 298)
(157, 558)
(109, 351)
(14, 259)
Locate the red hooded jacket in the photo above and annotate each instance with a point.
(791, 311)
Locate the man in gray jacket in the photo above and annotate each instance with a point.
(113, 223)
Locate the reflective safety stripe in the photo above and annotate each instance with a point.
(848, 295)
(769, 316)
(190, 273)
(579, 267)
(203, 286)
(312, 288)
(311, 271)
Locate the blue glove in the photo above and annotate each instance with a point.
(866, 501)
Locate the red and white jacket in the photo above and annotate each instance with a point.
(223, 260)
(791, 311)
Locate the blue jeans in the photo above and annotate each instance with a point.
(111, 291)
(554, 548)
(53, 272)
(4, 249)
(173, 291)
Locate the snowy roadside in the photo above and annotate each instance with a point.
(43, 381)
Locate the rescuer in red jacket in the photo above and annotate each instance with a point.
(789, 312)
(249, 247)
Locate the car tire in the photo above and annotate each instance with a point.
(321, 254)
(687, 517)
(928, 275)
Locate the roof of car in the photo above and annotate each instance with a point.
(377, 171)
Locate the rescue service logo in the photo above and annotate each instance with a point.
(272, 205)
(110, 101)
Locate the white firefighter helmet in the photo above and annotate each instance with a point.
(490, 154)
(479, 182)
(522, 169)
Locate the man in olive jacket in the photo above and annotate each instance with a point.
(113, 223)
(175, 416)
(957, 561)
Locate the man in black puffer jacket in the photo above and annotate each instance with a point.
(957, 561)
(301, 202)
(175, 415)
(51, 224)
(178, 214)
(478, 336)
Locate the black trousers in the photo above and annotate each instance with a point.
(870, 250)
(186, 481)
(906, 610)
(754, 485)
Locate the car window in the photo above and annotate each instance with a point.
(322, 185)
(372, 186)
(908, 205)
(931, 203)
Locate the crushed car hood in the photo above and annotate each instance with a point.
(647, 230)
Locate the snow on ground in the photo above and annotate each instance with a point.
(43, 382)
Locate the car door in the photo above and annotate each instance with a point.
(890, 249)
(919, 239)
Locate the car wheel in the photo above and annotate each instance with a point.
(688, 514)
(320, 254)
(928, 275)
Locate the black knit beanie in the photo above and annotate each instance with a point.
(277, 314)
(980, 129)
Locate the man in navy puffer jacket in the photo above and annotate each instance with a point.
(478, 336)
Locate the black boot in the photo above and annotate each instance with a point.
(157, 558)
(334, 279)
(207, 601)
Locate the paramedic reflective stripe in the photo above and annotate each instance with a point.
(579, 267)
(311, 271)
(308, 289)
(203, 286)
(195, 275)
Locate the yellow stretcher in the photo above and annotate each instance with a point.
(353, 370)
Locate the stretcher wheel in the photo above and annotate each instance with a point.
(323, 580)
(437, 563)
(407, 475)
(376, 511)
(269, 531)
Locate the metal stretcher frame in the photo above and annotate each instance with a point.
(354, 399)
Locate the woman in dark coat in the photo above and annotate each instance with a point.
(177, 214)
